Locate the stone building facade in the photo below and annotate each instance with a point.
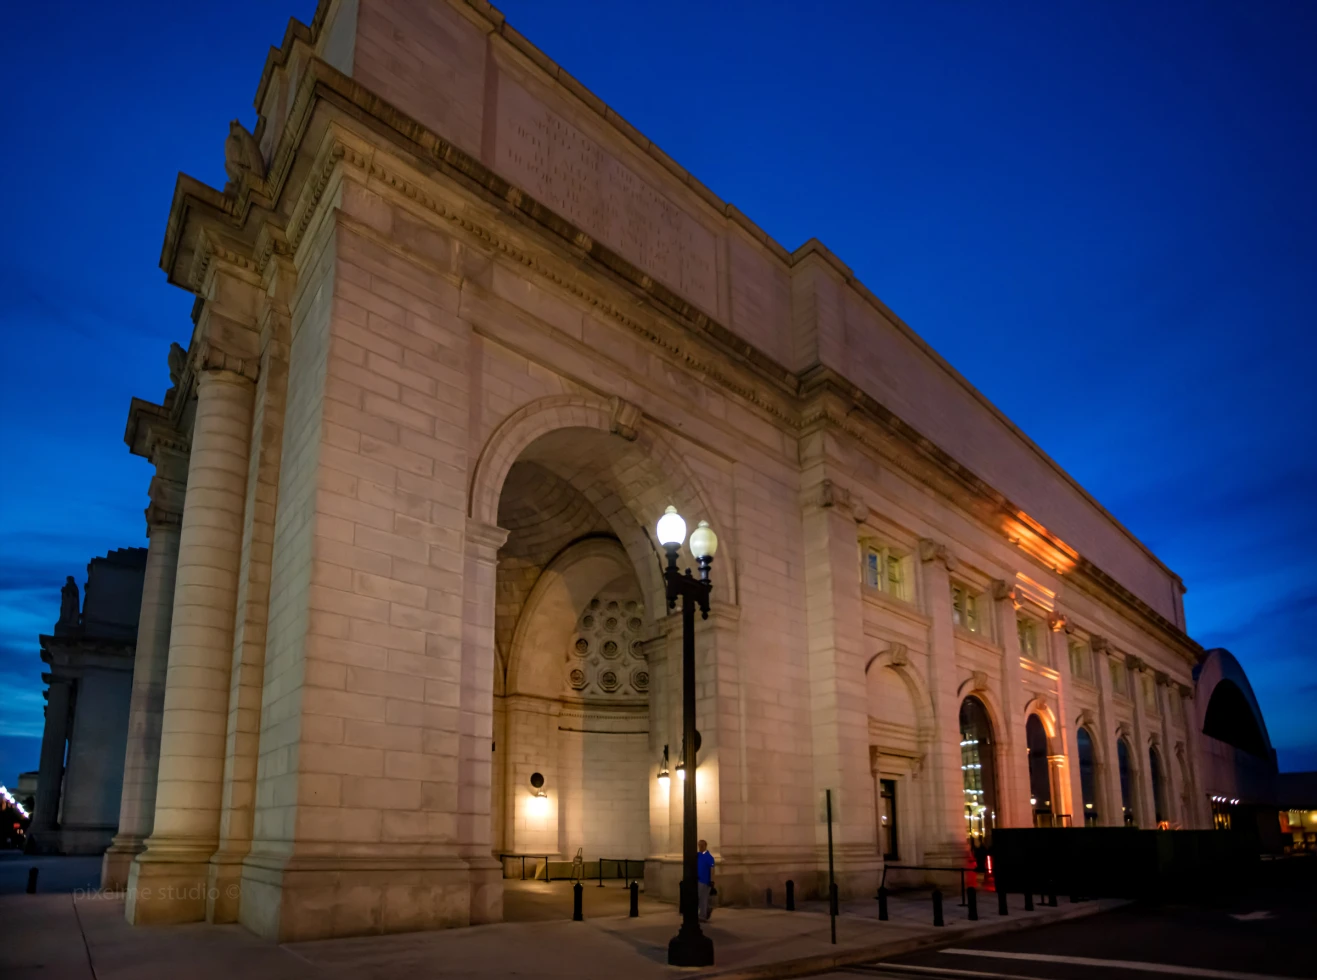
(461, 335)
(89, 673)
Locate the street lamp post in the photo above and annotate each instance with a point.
(690, 946)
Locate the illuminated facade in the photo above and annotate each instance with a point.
(461, 335)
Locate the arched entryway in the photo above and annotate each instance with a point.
(577, 485)
(1040, 779)
(978, 762)
(1087, 777)
(1126, 772)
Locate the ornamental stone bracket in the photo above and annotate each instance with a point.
(1005, 592)
(830, 494)
(930, 550)
(1057, 622)
(626, 419)
(1099, 644)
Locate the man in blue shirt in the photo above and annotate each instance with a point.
(704, 875)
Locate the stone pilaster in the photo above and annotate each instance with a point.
(1109, 800)
(1013, 809)
(50, 775)
(167, 882)
(246, 675)
(1170, 773)
(168, 451)
(1141, 776)
(475, 765)
(1193, 818)
(1068, 797)
(838, 696)
(946, 822)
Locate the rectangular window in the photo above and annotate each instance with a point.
(887, 819)
(1027, 629)
(1149, 693)
(1118, 683)
(1081, 662)
(884, 570)
(964, 608)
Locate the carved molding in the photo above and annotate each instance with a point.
(1099, 644)
(978, 681)
(485, 540)
(208, 357)
(900, 654)
(1057, 622)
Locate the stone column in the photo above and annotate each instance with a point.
(1194, 818)
(1068, 795)
(839, 717)
(247, 669)
(1170, 773)
(476, 720)
(142, 755)
(1108, 773)
(1013, 769)
(1144, 806)
(946, 841)
(167, 882)
(50, 776)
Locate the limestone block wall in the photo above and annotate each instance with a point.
(93, 780)
(604, 797)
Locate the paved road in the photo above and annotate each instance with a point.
(1263, 934)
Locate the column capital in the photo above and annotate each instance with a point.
(484, 540)
(1057, 622)
(1099, 644)
(1186, 691)
(1003, 591)
(1134, 663)
(931, 550)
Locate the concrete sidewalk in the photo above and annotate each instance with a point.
(75, 937)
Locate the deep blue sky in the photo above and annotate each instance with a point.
(1103, 214)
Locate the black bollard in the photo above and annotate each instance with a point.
(1051, 898)
(882, 904)
(768, 898)
(972, 899)
(635, 899)
(31, 881)
(1028, 901)
(1074, 898)
(937, 908)
(791, 895)
(577, 916)
(1002, 907)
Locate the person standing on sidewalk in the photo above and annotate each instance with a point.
(704, 874)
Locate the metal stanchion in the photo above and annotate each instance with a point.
(1002, 907)
(31, 881)
(635, 899)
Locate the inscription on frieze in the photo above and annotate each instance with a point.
(570, 172)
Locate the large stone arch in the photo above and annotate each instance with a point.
(895, 659)
(635, 473)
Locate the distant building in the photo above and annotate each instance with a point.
(89, 657)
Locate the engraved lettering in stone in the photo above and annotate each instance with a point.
(569, 172)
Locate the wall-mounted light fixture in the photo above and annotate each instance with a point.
(664, 777)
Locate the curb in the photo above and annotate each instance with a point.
(823, 962)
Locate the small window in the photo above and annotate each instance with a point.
(1149, 693)
(1118, 682)
(885, 571)
(1081, 662)
(1031, 645)
(965, 608)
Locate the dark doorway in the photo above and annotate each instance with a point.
(1087, 777)
(887, 822)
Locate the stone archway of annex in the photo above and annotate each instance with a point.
(577, 483)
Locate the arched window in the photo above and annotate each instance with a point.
(1040, 781)
(1126, 783)
(1158, 785)
(979, 772)
(1087, 776)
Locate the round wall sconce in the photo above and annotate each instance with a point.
(537, 781)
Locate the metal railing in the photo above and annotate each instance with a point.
(545, 857)
(929, 867)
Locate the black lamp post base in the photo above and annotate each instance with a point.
(690, 947)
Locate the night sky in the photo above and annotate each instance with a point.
(1103, 214)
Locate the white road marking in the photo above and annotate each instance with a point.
(938, 971)
(1251, 916)
(1171, 968)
